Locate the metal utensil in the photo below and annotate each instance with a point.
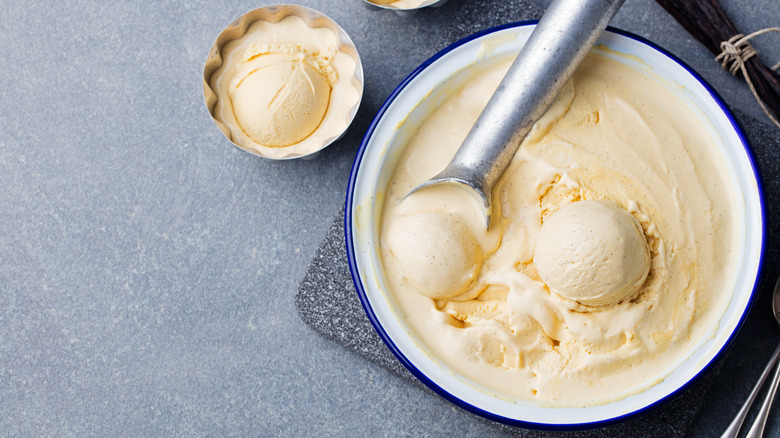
(757, 430)
(561, 40)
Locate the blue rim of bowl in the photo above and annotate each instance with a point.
(452, 398)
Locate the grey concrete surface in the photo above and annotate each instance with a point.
(148, 268)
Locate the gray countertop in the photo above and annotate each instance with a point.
(148, 268)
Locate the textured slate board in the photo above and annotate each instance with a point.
(327, 301)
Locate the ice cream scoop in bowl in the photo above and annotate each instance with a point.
(556, 48)
(548, 174)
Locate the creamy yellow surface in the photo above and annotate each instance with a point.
(475, 298)
(400, 4)
(280, 93)
(285, 88)
(593, 252)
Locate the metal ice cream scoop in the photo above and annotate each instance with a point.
(561, 40)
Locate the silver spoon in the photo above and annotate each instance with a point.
(561, 40)
(757, 430)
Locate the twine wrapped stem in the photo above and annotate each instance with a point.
(706, 21)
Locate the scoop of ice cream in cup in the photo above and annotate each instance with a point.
(283, 82)
(280, 94)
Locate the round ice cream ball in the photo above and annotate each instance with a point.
(436, 251)
(592, 252)
(281, 100)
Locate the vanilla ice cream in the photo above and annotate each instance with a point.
(609, 255)
(439, 254)
(592, 252)
(284, 88)
(400, 4)
(280, 93)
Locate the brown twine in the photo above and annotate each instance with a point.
(735, 52)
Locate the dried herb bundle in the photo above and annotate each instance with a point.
(706, 21)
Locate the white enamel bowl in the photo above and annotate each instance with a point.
(412, 100)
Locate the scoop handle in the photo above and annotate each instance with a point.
(561, 40)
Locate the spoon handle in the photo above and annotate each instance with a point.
(733, 430)
(757, 430)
